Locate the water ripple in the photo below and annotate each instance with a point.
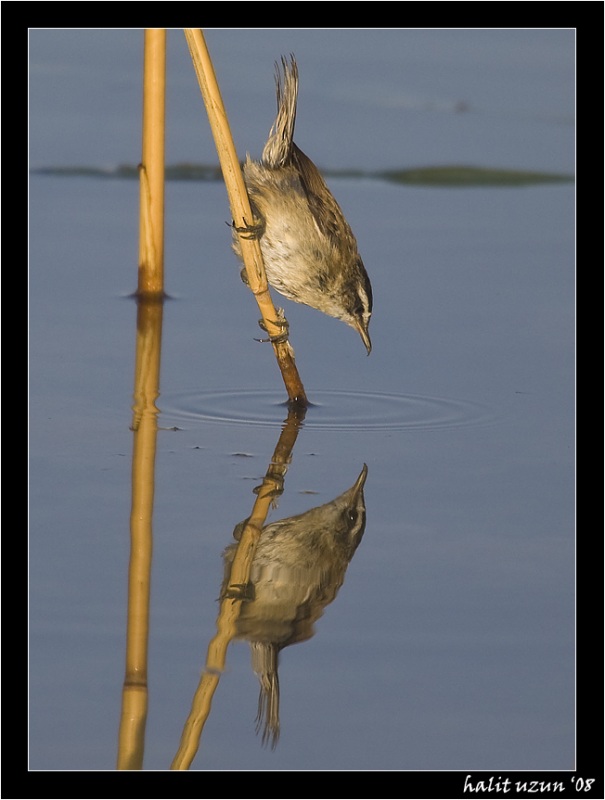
(330, 410)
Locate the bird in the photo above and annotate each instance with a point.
(298, 567)
(309, 250)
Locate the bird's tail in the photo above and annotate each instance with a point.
(264, 664)
(278, 150)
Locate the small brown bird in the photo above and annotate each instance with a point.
(298, 567)
(309, 251)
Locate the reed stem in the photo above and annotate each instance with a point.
(151, 169)
(242, 214)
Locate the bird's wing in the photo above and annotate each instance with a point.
(326, 211)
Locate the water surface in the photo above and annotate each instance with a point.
(450, 644)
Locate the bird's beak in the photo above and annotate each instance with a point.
(365, 336)
(359, 483)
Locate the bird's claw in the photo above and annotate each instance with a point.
(252, 230)
(271, 491)
(280, 322)
(239, 591)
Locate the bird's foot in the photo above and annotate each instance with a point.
(238, 591)
(252, 230)
(280, 322)
(272, 487)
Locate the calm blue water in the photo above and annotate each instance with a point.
(450, 645)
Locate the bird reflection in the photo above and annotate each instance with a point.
(298, 567)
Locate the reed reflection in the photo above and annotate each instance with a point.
(133, 717)
(277, 581)
(249, 533)
(298, 567)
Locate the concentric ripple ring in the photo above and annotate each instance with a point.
(330, 410)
